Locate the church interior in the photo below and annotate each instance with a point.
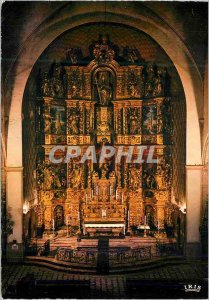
(130, 77)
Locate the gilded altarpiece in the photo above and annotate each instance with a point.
(105, 100)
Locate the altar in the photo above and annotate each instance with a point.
(104, 229)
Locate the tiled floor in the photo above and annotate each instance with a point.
(110, 286)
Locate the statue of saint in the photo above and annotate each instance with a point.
(158, 90)
(48, 178)
(160, 124)
(73, 124)
(57, 124)
(75, 176)
(47, 120)
(45, 86)
(149, 86)
(104, 88)
(133, 122)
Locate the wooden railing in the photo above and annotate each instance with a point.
(77, 256)
(130, 256)
(167, 249)
(116, 256)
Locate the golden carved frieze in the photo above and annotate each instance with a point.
(78, 140)
(128, 140)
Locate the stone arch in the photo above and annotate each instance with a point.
(69, 17)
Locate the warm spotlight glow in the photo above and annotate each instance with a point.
(25, 207)
(183, 208)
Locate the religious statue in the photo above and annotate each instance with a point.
(150, 81)
(103, 50)
(132, 178)
(73, 122)
(57, 182)
(56, 82)
(58, 124)
(133, 121)
(75, 177)
(160, 182)
(73, 55)
(48, 178)
(74, 91)
(47, 121)
(58, 215)
(132, 55)
(104, 88)
(45, 86)
(75, 84)
(160, 124)
(158, 89)
(135, 177)
(132, 84)
(149, 180)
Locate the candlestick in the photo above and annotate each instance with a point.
(53, 226)
(67, 226)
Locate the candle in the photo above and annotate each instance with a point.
(122, 198)
(67, 220)
(116, 195)
(86, 198)
(158, 224)
(145, 220)
(53, 227)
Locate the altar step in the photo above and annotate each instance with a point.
(72, 242)
(63, 242)
(82, 269)
(127, 242)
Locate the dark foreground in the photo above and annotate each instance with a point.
(183, 281)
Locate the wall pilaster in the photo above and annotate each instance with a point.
(193, 204)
